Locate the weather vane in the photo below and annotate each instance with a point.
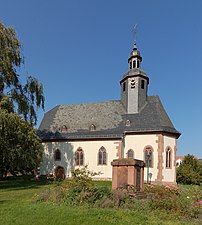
(135, 30)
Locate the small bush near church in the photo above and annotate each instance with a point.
(82, 190)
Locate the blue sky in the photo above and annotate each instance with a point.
(79, 49)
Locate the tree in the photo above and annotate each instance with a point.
(190, 171)
(14, 96)
(20, 147)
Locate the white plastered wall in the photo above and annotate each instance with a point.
(169, 173)
(49, 164)
(90, 149)
(137, 143)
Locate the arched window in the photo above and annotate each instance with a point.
(79, 157)
(92, 127)
(168, 157)
(102, 156)
(148, 156)
(130, 154)
(63, 129)
(134, 64)
(57, 155)
(128, 123)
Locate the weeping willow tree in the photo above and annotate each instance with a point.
(24, 99)
(20, 147)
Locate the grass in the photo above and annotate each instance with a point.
(17, 207)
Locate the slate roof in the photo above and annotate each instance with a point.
(108, 117)
(134, 71)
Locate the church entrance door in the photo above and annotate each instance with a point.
(59, 173)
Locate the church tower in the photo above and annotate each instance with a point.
(134, 84)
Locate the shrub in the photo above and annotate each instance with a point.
(82, 190)
(162, 197)
(190, 171)
(182, 201)
(91, 195)
(82, 178)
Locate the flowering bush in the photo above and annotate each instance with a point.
(162, 197)
(184, 201)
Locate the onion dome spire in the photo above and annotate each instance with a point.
(135, 58)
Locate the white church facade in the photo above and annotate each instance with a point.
(94, 134)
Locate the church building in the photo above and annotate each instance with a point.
(94, 134)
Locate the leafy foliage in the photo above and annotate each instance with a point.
(20, 147)
(181, 201)
(82, 177)
(27, 98)
(170, 200)
(190, 171)
(163, 197)
(82, 190)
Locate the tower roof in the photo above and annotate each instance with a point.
(134, 68)
(135, 53)
(135, 72)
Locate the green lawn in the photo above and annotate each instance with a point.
(18, 207)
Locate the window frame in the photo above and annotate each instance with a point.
(79, 157)
(168, 158)
(102, 156)
(92, 127)
(151, 162)
(63, 129)
(57, 155)
(132, 152)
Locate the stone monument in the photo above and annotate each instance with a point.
(128, 172)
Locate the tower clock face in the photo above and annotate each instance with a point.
(133, 83)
